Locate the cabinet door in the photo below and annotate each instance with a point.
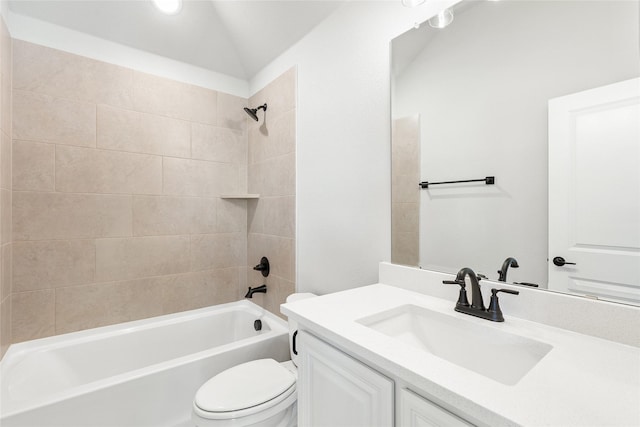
(416, 411)
(336, 390)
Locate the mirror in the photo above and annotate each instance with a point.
(472, 100)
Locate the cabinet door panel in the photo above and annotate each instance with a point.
(335, 390)
(416, 411)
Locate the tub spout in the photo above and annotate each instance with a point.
(258, 289)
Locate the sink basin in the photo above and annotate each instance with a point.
(486, 350)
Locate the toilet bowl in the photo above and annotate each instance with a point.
(259, 393)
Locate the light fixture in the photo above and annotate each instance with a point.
(168, 7)
(412, 3)
(442, 19)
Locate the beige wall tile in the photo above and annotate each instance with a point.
(5, 161)
(87, 170)
(170, 98)
(279, 216)
(118, 259)
(43, 118)
(206, 221)
(126, 130)
(6, 103)
(218, 144)
(5, 325)
(405, 146)
(6, 197)
(158, 215)
(273, 177)
(232, 216)
(199, 178)
(5, 49)
(44, 216)
(278, 289)
(404, 189)
(200, 289)
(231, 114)
(32, 315)
(65, 75)
(101, 304)
(33, 166)
(255, 216)
(53, 263)
(280, 138)
(404, 248)
(280, 95)
(7, 286)
(405, 217)
(211, 251)
(279, 250)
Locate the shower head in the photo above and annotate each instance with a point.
(253, 112)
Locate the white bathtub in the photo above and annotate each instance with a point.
(142, 373)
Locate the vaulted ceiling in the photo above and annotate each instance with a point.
(233, 37)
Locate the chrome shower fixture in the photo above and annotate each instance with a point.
(253, 112)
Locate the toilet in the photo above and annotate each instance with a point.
(259, 393)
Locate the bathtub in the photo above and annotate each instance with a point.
(141, 373)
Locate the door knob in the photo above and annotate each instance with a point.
(559, 261)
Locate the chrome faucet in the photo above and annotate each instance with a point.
(509, 262)
(477, 307)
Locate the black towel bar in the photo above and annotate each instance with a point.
(490, 180)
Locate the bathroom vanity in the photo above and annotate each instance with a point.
(380, 355)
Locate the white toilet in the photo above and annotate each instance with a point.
(259, 393)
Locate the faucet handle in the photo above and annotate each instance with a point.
(494, 305)
(462, 298)
(480, 276)
(506, 291)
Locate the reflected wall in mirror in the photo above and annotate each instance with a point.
(479, 92)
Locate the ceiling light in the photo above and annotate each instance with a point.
(412, 3)
(442, 19)
(168, 7)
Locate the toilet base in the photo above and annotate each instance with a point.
(285, 418)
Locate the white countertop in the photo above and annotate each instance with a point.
(582, 381)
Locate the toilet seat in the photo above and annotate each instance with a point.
(247, 389)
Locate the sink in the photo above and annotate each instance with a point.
(486, 350)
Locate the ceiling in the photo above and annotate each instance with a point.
(233, 37)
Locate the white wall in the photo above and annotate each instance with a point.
(343, 142)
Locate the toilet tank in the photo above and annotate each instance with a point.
(293, 325)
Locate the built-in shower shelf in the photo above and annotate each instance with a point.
(240, 196)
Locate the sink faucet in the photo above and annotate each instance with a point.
(509, 262)
(476, 295)
(477, 308)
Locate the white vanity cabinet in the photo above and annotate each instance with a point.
(416, 411)
(336, 390)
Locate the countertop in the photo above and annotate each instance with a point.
(582, 381)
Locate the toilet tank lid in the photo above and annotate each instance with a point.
(300, 296)
(245, 385)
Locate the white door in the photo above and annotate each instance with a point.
(594, 192)
(335, 390)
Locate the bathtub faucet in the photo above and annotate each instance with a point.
(257, 290)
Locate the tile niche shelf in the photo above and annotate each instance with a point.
(240, 196)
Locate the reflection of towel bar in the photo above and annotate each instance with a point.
(490, 180)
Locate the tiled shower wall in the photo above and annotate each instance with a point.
(405, 203)
(116, 182)
(5, 188)
(272, 171)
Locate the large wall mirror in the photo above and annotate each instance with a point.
(544, 97)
